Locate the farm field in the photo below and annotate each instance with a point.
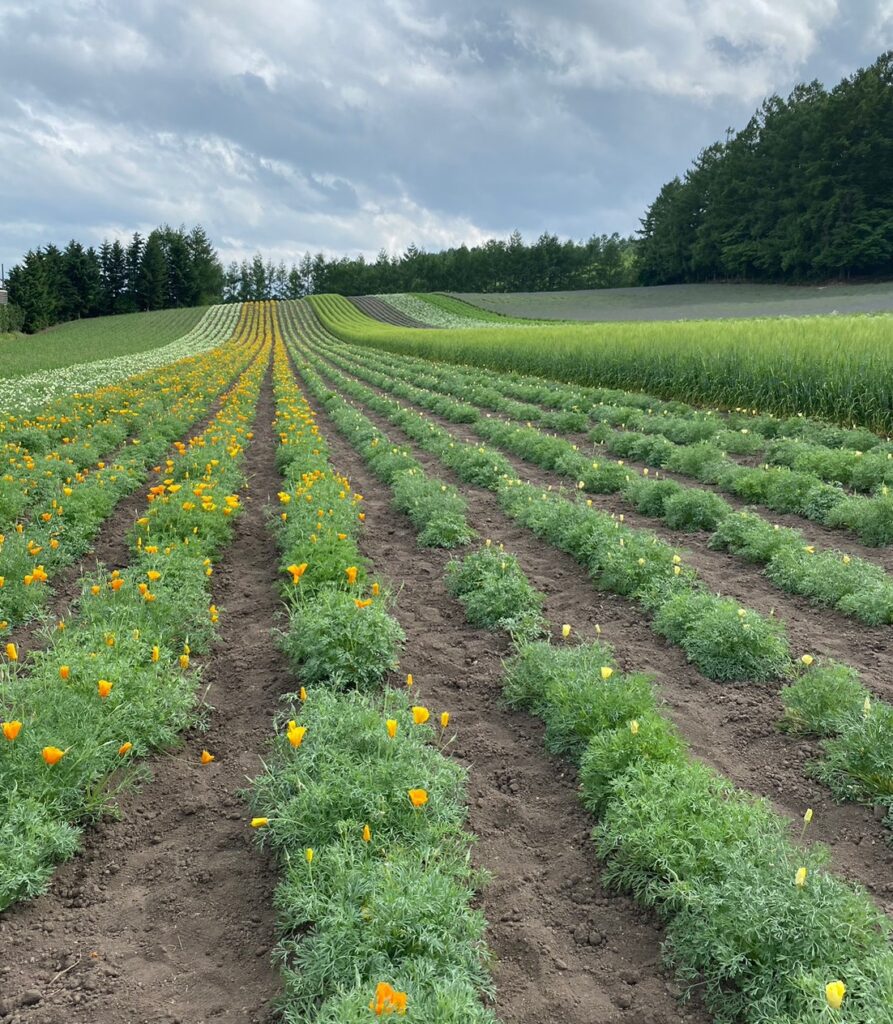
(105, 337)
(688, 302)
(356, 671)
(835, 368)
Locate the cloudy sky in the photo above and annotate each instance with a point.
(348, 125)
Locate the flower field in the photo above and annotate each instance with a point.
(341, 682)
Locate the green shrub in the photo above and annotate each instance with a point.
(749, 535)
(851, 585)
(649, 496)
(725, 641)
(702, 461)
(436, 510)
(395, 908)
(858, 764)
(749, 934)
(822, 700)
(331, 641)
(496, 594)
(611, 752)
(693, 509)
(870, 518)
(670, 826)
(565, 687)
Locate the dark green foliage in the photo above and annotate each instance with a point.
(171, 268)
(823, 700)
(496, 593)
(802, 192)
(725, 641)
(565, 686)
(332, 642)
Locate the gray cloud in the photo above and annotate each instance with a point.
(306, 125)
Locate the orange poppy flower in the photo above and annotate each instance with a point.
(11, 730)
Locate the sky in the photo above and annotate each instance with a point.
(345, 126)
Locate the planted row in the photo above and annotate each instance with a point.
(362, 808)
(752, 918)
(69, 516)
(435, 508)
(724, 640)
(114, 681)
(851, 585)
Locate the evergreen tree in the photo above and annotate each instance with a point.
(153, 275)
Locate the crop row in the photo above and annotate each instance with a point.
(440, 311)
(724, 640)
(114, 681)
(799, 490)
(849, 584)
(754, 921)
(361, 807)
(44, 452)
(67, 510)
(832, 452)
(836, 368)
(32, 392)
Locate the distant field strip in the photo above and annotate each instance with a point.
(834, 368)
(29, 393)
(437, 311)
(82, 341)
(688, 302)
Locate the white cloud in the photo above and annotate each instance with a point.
(703, 49)
(300, 124)
(882, 30)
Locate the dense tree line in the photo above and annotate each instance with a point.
(548, 264)
(803, 192)
(170, 267)
(176, 268)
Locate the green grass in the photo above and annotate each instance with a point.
(834, 368)
(688, 302)
(102, 337)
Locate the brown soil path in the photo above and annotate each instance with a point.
(166, 916)
(565, 948)
(730, 726)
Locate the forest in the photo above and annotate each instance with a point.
(804, 192)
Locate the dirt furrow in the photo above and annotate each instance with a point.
(731, 726)
(559, 938)
(166, 915)
(385, 313)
